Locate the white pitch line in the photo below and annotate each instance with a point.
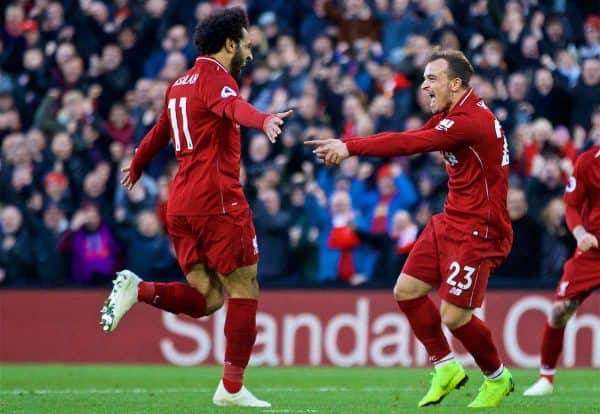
(83, 391)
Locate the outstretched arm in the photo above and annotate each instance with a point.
(246, 115)
(221, 97)
(448, 134)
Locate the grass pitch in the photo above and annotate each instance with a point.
(160, 389)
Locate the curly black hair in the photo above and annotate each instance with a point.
(212, 32)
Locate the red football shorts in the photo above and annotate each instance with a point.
(221, 242)
(581, 276)
(456, 263)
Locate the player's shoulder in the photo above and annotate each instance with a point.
(590, 156)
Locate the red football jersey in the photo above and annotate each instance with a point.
(474, 146)
(206, 142)
(582, 194)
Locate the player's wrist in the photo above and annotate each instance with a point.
(267, 120)
(579, 232)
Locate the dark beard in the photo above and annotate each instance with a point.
(236, 64)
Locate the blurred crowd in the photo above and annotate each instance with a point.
(82, 81)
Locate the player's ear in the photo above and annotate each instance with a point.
(456, 84)
(229, 45)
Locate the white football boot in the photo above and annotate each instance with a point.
(123, 296)
(541, 387)
(242, 398)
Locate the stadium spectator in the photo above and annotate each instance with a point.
(524, 259)
(557, 243)
(272, 232)
(342, 258)
(587, 93)
(17, 261)
(92, 247)
(147, 249)
(549, 99)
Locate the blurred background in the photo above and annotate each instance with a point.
(81, 82)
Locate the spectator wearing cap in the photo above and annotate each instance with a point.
(17, 261)
(31, 32)
(56, 192)
(12, 39)
(591, 31)
(92, 247)
(270, 27)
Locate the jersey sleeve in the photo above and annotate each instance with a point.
(447, 134)
(575, 194)
(221, 97)
(155, 140)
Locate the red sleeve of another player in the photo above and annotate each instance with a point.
(449, 133)
(222, 98)
(155, 140)
(575, 195)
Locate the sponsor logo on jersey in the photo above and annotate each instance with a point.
(450, 158)
(571, 185)
(456, 291)
(226, 92)
(444, 125)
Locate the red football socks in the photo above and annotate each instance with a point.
(426, 323)
(240, 334)
(174, 297)
(552, 344)
(477, 339)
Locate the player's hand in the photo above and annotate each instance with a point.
(127, 181)
(272, 126)
(587, 241)
(332, 151)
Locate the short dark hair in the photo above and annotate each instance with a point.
(458, 64)
(219, 26)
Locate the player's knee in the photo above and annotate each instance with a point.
(407, 288)
(214, 301)
(454, 317)
(561, 313)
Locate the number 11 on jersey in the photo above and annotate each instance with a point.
(184, 121)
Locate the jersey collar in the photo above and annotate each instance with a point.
(208, 58)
